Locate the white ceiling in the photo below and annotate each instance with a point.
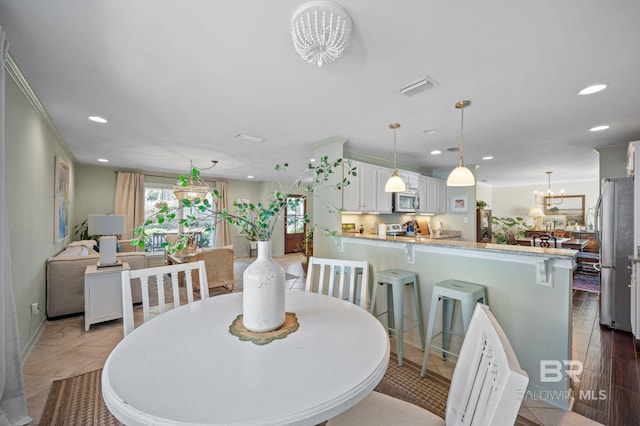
(178, 80)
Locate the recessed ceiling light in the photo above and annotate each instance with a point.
(592, 89)
(250, 177)
(436, 152)
(599, 128)
(249, 138)
(103, 160)
(97, 119)
(431, 131)
(313, 160)
(488, 157)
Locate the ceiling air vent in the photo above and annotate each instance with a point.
(453, 149)
(418, 86)
(249, 138)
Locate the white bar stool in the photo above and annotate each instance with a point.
(396, 279)
(449, 291)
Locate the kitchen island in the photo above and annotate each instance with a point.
(528, 290)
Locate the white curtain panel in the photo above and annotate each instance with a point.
(13, 405)
(222, 228)
(130, 201)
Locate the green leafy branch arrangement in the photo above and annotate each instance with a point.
(255, 220)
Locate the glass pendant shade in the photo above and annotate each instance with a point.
(395, 184)
(461, 176)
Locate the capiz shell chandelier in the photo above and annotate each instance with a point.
(320, 31)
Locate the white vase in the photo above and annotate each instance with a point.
(263, 287)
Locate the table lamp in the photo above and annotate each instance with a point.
(107, 226)
(537, 215)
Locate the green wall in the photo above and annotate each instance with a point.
(31, 149)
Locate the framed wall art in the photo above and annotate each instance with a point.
(571, 206)
(553, 222)
(459, 204)
(61, 201)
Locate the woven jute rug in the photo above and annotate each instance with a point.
(77, 401)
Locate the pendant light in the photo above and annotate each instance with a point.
(461, 175)
(395, 182)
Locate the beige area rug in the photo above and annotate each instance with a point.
(78, 400)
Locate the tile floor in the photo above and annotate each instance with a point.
(64, 349)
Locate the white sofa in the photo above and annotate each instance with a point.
(65, 277)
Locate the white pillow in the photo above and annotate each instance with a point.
(83, 243)
(75, 251)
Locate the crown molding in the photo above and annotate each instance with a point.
(18, 77)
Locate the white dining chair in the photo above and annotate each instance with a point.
(486, 389)
(162, 275)
(339, 278)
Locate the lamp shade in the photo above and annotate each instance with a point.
(106, 224)
(536, 212)
(395, 184)
(461, 176)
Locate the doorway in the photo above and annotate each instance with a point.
(295, 228)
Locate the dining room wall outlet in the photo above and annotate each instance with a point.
(35, 308)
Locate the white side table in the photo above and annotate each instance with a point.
(102, 294)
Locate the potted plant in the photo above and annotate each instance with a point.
(263, 280)
(306, 248)
(502, 225)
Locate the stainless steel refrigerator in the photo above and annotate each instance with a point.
(614, 230)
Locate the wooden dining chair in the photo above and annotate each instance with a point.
(545, 241)
(561, 233)
(161, 275)
(339, 278)
(486, 389)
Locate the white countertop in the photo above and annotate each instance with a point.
(490, 247)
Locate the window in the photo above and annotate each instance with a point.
(155, 196)
(295, 226)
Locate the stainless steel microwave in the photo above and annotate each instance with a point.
(407, 202)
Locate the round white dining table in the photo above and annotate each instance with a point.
(184, 367)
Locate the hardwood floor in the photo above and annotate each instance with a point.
(609, 387)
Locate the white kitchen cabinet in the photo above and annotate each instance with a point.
(409, 178)
(365, 193)
(422, 193)
(351, 192)
(441, 202)
(431, 195)
(368, 189)
(384, 198)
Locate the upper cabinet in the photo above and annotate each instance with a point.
(410, 179)
(365, 193)
(384, 198)
(432, 192)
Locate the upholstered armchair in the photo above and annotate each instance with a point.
(219, 265)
